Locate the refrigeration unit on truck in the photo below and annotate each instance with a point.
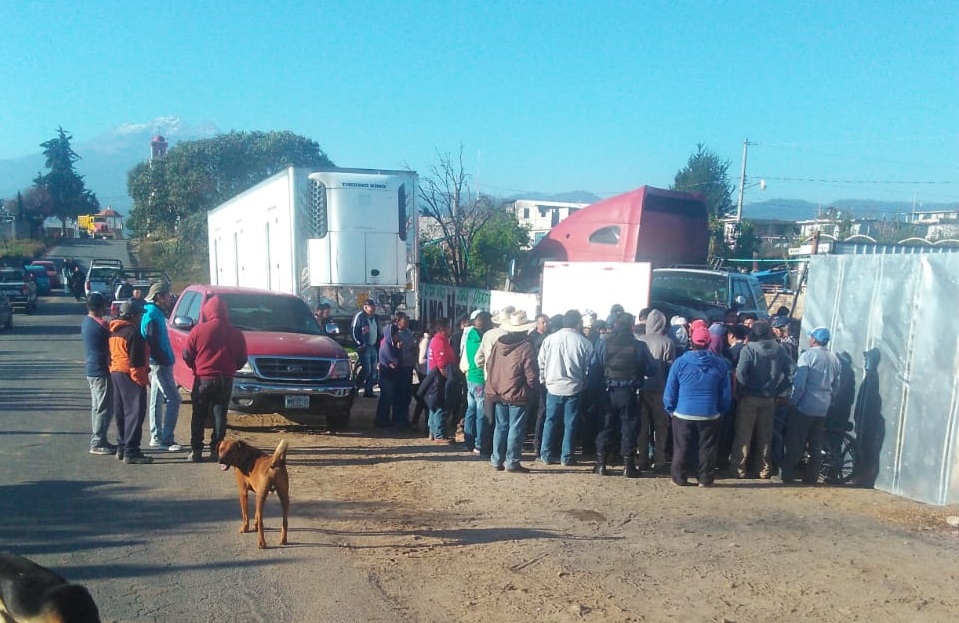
(333, 235)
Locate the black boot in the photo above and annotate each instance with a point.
(600, 468)
(196, 456)
(629, 470)
(215, 451)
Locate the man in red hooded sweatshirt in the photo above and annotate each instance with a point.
(214, 351)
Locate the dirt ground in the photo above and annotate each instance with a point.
(447, 538)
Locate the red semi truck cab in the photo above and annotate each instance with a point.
(648, 224)
(292, 368)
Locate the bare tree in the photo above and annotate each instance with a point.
(446, 198)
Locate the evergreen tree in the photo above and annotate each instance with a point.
(64, 193)
(706, 173)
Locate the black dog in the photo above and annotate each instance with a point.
(31, 594)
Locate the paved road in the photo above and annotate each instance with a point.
(152, 542)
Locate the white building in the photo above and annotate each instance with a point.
(542, 216)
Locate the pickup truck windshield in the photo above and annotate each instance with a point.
(255, 312)
(712, 289)
(12, 276)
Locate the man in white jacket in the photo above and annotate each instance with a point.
(563, 360)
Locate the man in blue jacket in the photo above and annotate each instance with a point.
(164, 405)
(697, 392)
(366, 336)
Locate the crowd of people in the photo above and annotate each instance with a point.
(129, 368)
(655, 395)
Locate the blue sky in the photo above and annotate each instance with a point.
(843, 99)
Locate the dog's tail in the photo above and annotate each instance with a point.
(279, 455)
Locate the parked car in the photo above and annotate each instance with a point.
(52, 271)
(292, 368)
(20, 289)
(6, 311)
(40, 277)
(102, 275)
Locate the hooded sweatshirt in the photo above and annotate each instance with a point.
(513, 376)
(662, 349)
(128, 351)
(215, 347)
(764, 368)
(697, 387)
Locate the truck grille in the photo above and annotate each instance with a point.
(291, 369)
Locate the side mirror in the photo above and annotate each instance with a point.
(740, 300)
(511, 271)
(332, 328)
(184, 323)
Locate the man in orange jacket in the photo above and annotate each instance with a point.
(130, 372)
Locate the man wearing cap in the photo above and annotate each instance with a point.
(164, 405)
(697, 392)
(474, 420)
(817, 381)
(495, 332)
(366, 337)
(781, 329)
(130, 373)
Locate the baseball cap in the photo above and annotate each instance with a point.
(821, 335)
(700, 336)
(157, 289)
(476, 312)
(370, 302)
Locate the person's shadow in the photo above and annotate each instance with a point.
(870, 425)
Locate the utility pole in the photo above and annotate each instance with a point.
(742, 186)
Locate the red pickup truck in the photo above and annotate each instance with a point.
(293, 368)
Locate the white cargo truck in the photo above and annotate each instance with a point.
(595, 286)
(333, 235)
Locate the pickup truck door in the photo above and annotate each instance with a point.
(187, 306)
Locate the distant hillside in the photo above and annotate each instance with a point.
(797, 210)
(105, 160)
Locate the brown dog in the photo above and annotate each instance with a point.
(258, 472)
(30, 593)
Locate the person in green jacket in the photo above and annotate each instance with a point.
(474, 423)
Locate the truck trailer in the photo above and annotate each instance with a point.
(336, 236)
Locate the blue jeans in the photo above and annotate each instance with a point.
(386, 403)
(509, 434)
(559, 409)
(163, 391)
(437, 423)
(474, 422)
(368, 362)
(101, 413)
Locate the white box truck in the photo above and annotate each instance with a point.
(333, 235)
(595, 286)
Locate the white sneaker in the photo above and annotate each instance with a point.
(155, 443)
(174, 447)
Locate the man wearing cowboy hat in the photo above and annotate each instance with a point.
(163, 407)
(481, 357)
(816, 382)
(511, 384)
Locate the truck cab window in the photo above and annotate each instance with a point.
(605, 235)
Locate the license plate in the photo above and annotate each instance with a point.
(296, 402)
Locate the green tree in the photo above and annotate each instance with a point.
(196, 176)
(65, 195)
(500, 240)
(707, 173)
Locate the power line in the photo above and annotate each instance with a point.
(889, 182)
